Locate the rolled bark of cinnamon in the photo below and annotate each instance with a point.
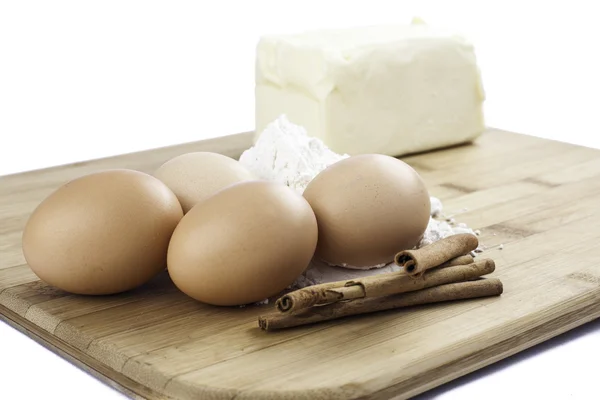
(380, 285)
(460, 260)
(437, 253)
(453, 291)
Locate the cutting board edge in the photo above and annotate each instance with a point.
(78, 358)
(577, 317)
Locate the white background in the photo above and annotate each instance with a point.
(81, 80)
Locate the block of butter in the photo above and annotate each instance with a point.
(391, 90)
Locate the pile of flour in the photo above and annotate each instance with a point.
(285, 153)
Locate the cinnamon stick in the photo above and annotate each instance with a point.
(380, 285)
(460, 260)
(442, 293)
(436, 253)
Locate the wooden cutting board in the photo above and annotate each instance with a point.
(538, 198)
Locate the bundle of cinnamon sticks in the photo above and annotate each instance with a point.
(442, 271)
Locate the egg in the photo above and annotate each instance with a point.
(244, 244)
(368, 207)
(196, 176)
(103, 233)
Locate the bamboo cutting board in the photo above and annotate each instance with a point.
(538, 198)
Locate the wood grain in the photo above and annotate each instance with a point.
(537, 198)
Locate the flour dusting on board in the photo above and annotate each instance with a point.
(285, 153)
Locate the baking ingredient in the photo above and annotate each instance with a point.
(196, 176)
(284, 153)
(416, 261)
(380, 89)
(102, 233)
(246, 243)
(479, 288)
(436, 206)
(380, 285)
(368, 207)
(439, 229)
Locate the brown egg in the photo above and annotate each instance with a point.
(195, 176)
(244, 244)
(368, 208)
(102, 233)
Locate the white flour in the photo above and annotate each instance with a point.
(436, 207)
(437, 230)
(285, 153)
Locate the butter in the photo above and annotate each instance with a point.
(391, 90)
